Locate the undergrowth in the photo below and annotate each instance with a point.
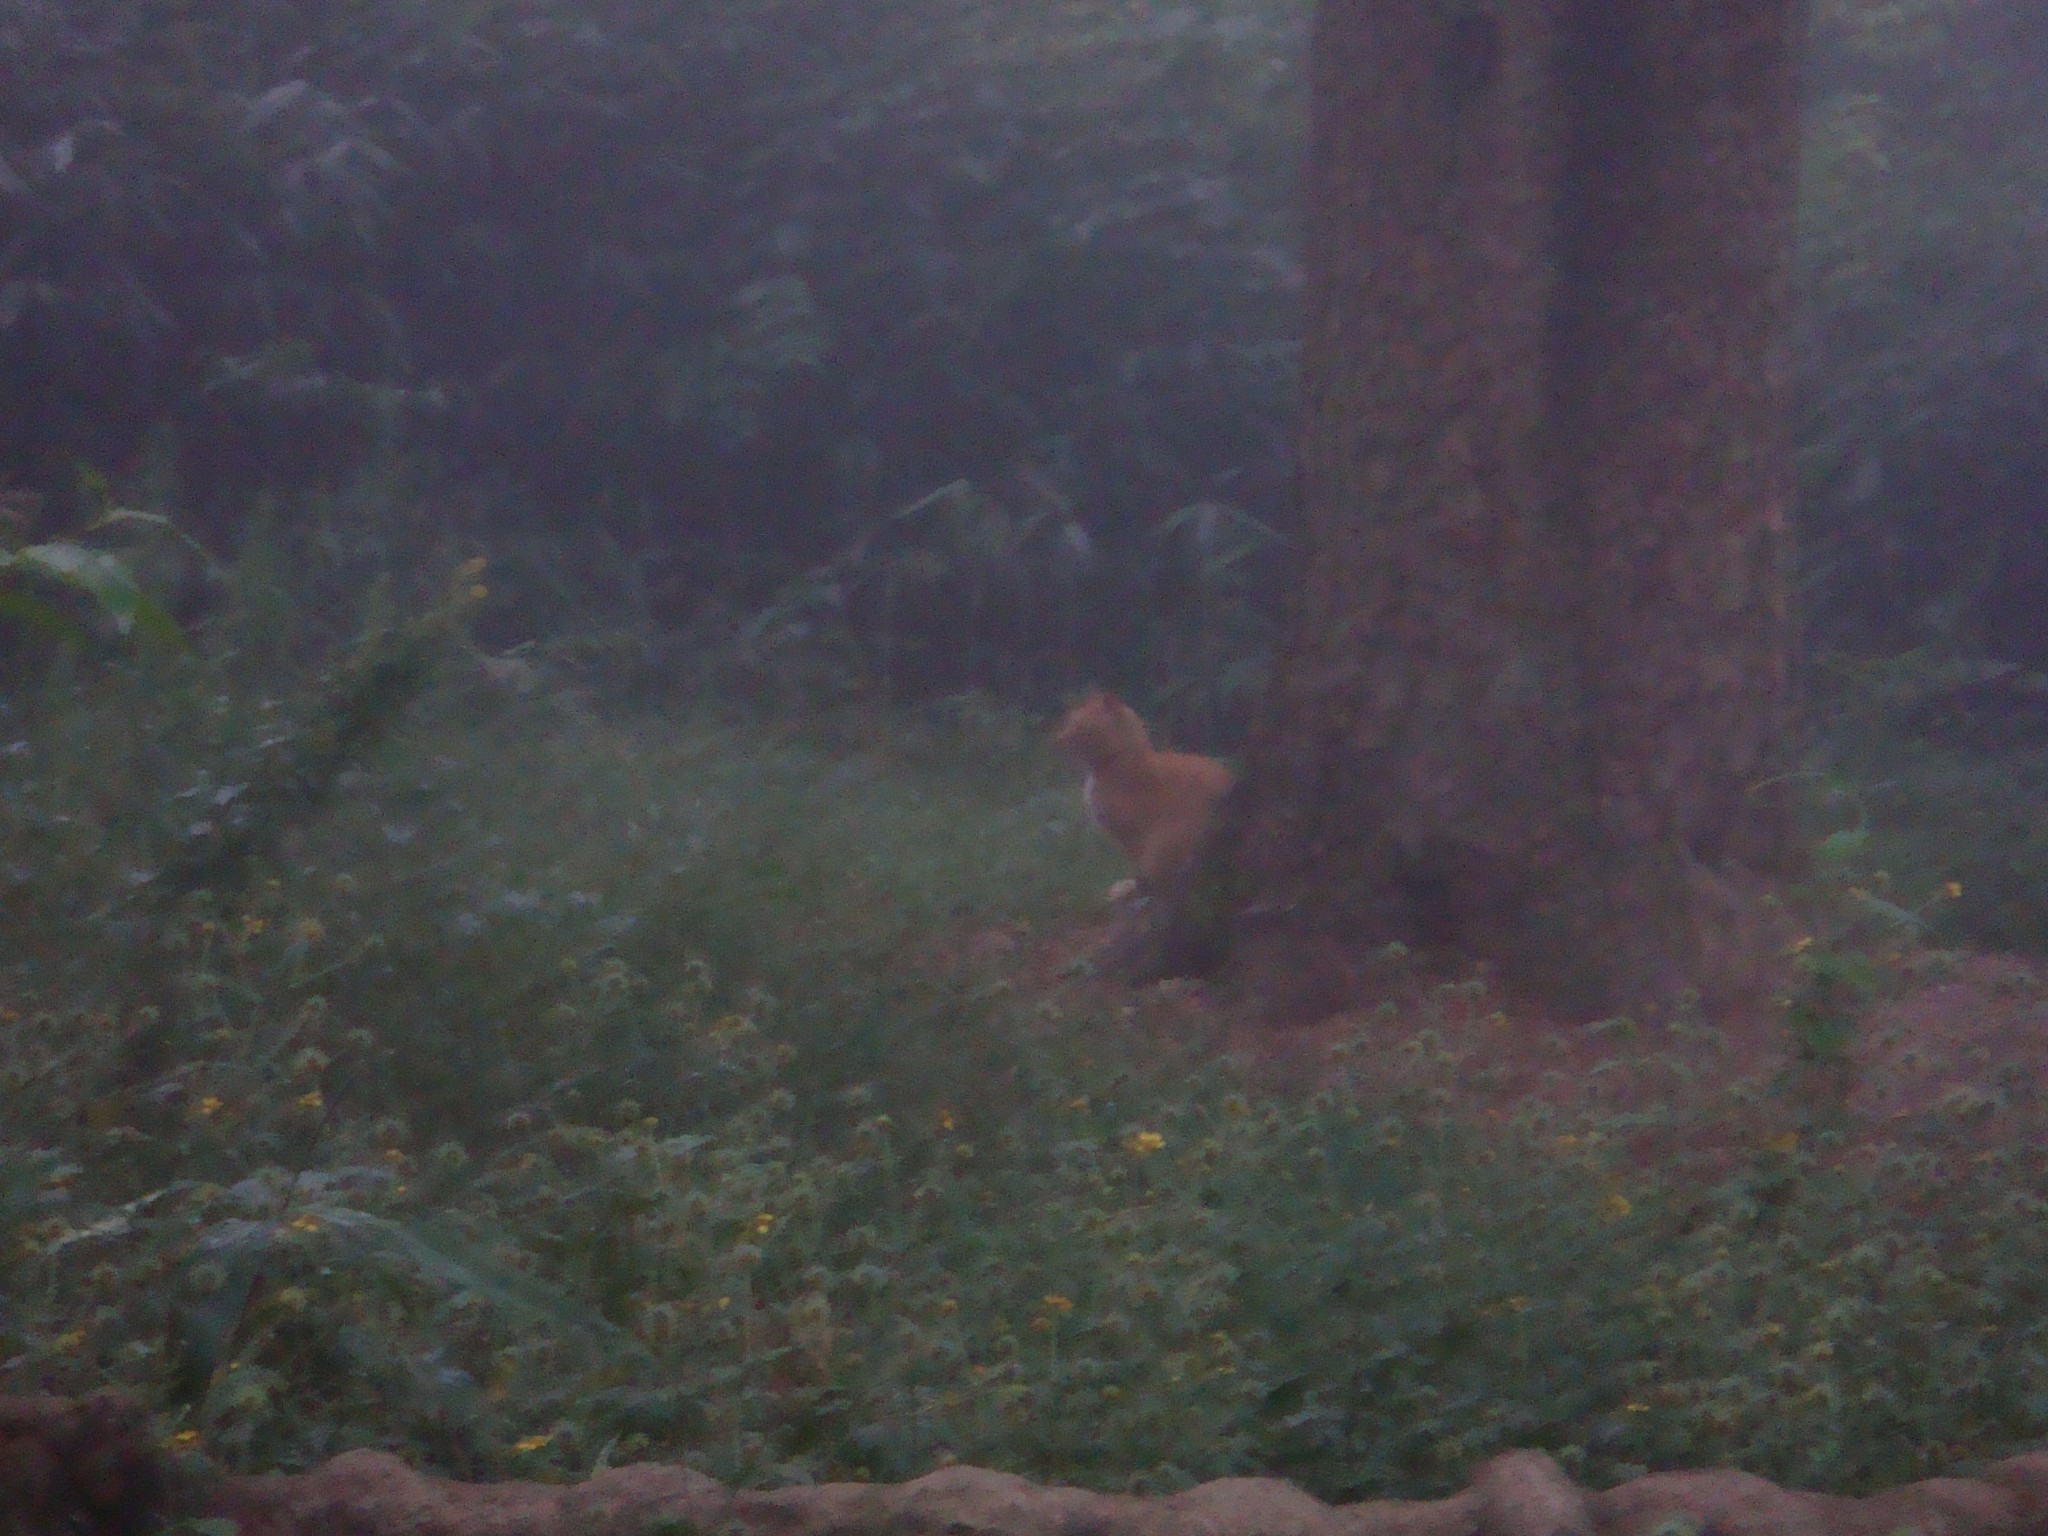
(558, 1089)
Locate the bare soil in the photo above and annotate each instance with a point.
(1949, 1053)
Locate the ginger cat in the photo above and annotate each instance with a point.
(1153, 803)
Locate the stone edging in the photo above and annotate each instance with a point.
(1523, 1493)
(90, 1468)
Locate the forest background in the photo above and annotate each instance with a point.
(890, 381)
(677, 307)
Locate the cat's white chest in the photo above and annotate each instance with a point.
(1088, 799)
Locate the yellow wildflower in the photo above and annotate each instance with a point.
(529, 1443)
(311, 1099)
(305, 1221)
(182, 1440)
(210, 1105)
(1143, 1143)
(1953, 890)
(945, 1119)
(1057, 1303)
(763, 1222)
(1614, 1207)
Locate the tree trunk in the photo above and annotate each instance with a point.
(1534, 704)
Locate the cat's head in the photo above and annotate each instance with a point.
(1101, 726)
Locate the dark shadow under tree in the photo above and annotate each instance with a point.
(1535, 703)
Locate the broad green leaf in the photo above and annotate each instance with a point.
(103, 577)
(32, 612)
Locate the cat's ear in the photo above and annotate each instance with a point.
(1078, 711)
(1093, 705)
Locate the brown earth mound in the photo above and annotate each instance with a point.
(87, 1468)
(367, 1493)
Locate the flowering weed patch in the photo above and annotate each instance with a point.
(567, 1092)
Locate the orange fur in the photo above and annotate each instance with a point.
(1154, 804)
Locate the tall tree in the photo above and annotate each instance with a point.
(1535, 701)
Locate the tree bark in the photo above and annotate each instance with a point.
(1534, 705)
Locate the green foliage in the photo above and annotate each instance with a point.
(721, 280)
(1937, 765)
(103, 578)
(1862, 932)
(1924, 379)
(106, 583)
(35, 578)
(714, 287)
(967, 588)
(560, 1089)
